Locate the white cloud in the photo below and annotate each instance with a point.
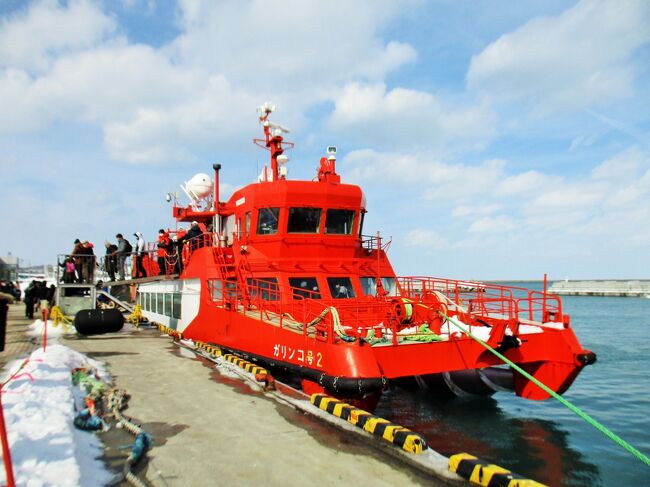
(295, 46)
(405, 117)
(489, 224)
(575, 60)
(428, 239)
(432, 179)
(468, 211)
(156, 105)
(525, 182)
(97, 86)
(625, 165)
(32, 38)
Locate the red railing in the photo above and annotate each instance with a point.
(478, 298)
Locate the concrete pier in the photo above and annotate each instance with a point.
(631, 288)
(211, 430)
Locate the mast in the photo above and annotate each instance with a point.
(273, 141)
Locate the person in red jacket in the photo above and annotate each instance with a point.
(163, 248)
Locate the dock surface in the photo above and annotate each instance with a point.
(629, 288)
(211, 430)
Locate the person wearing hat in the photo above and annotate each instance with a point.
(124, 249)
(139, 255)
(88, 262)
(164, 245)
(193, 236)
(110, 260)
(76, 253)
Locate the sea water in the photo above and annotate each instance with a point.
(544, 440)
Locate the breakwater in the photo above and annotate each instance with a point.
(631, 288)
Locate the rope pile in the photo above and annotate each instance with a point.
(58, 318)
(136, 317)
(101, 401)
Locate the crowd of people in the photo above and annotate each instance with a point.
(10, 288)
(38, 296)
(79, 266)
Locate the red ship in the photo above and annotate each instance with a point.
(283, 275)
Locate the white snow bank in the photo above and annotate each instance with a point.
(39, 409)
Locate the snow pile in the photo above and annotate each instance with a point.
(39, 408)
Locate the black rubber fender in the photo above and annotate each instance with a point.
(98, 321)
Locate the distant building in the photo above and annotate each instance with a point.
(9, 268)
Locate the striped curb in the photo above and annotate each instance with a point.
(483, 473)
(393, 433)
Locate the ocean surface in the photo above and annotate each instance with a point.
(545, 441)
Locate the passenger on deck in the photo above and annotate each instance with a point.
(88, 262)
(123, 250)
(139, 255)
(77, 252)
(164, 245)
(68, 270)
(193, 236)
(110, 260)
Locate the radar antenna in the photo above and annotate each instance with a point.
(274, 143)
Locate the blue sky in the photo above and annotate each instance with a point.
(492, 139)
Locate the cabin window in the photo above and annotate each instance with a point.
(304, 220)
(215, 286)
(361, 218)
(248, 224)
(176, 305)
(340, 287)
(339, 222)
(265, 288)
(267, 221)
(168, 304)
(369, 285)
(160, 300)
(305, 287)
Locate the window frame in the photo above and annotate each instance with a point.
(302, 232)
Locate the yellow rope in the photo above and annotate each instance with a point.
(58, 317)
(136, 316)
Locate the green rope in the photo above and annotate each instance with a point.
(611, 435)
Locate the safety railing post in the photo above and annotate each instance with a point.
(45, 314)
(6, 453)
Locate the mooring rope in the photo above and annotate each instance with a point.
(610, 434)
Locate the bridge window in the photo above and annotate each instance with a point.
(369, 285)
(267, 221)
(340, 287)
(339, 222)
(304, 287)
(304, 220)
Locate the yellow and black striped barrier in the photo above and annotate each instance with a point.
(214, 351)
(393, 433)
(483, 473)
(169, 331)
(250, 367)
